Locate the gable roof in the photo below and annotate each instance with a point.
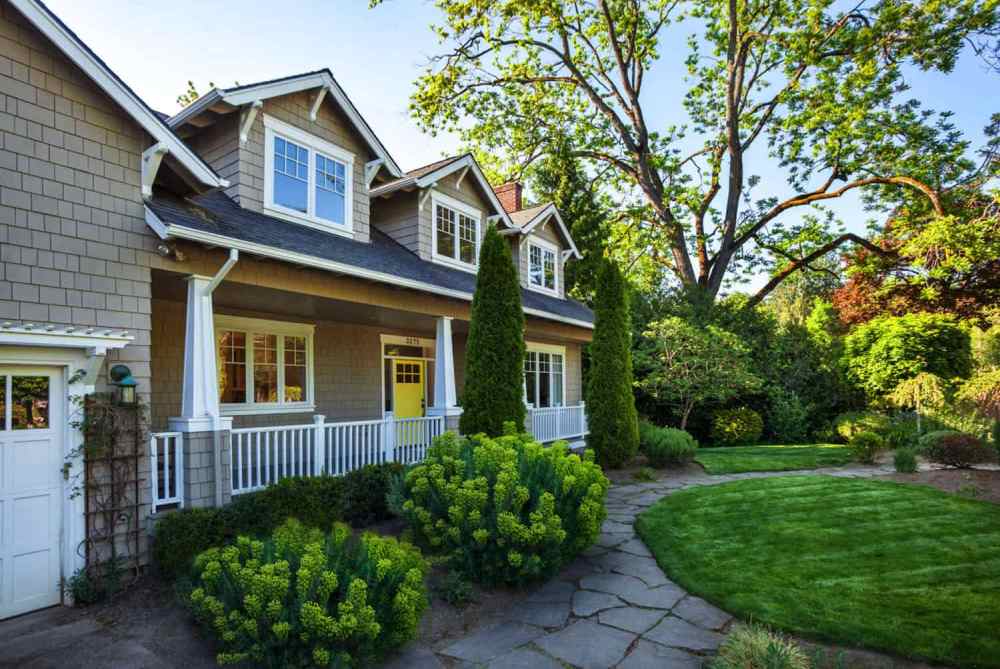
(98, 71)
(214, 218)
(528, 219)
(237, 96)
(428, 175)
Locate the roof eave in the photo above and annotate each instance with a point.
(428, 180)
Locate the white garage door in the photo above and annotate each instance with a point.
(30, 487)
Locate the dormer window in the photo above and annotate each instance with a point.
(307, 180)
(542, 273)
(456, 232)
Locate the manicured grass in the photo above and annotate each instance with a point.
(902, 568)
(735, 459)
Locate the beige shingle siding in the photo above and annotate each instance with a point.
(397, 217)
(219, 146)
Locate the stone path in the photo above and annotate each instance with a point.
(612, 607)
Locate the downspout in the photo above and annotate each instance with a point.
(234, 256)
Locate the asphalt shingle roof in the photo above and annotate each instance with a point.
(218, 214)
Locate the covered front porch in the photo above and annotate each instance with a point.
(258, 383)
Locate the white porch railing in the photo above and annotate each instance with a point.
(552, 423)
(166, 468)
(264, 455)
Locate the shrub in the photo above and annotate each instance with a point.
(851, 423)
(494, 351)
(930, 439)
(304, 598)
(358, 497)
(902, 431)
(611, 414)
(645, 475)
(89, 585)
(905, 460)
(960, 450)
(756, 647)
(505, 510)
(788, 418)
(865, 447)
(731, 427)
(455, 590)
(669, 447)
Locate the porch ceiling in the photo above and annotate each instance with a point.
(270, 302)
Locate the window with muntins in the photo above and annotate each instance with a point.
(456, 234)
(307, 180)
(263, 366)
(542, 268)
(543, 379)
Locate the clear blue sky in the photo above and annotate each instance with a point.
(376, 55)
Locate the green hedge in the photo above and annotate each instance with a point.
(358, 498)
(666, 446)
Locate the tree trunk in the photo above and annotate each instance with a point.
(687, 412)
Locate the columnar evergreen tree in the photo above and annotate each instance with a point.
(614, 426)
(494, 353)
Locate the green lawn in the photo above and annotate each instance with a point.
(903, 568)
(735, 459)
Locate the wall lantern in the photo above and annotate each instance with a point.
(121, 378)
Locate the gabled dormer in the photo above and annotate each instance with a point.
(294, 148)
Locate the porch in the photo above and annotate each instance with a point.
(270, 384)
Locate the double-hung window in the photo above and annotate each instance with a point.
(456, 232)
(542, 273)
(544, 376)
(263, 366)
(307, 180)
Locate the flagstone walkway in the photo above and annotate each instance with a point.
(612, 607)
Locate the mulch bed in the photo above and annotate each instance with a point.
(981, 484)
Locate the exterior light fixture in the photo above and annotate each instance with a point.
(121, 378)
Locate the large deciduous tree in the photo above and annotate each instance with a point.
(813, 88)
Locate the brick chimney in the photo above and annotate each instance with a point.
(509, 195)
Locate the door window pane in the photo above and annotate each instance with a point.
(30, 402)
(3, 403)
(331, 182)
(291, 175)
(445, 232)
(232, 367)
(295, 369)
(265, 368)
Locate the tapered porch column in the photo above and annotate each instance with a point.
(199, 395)
(445, 393)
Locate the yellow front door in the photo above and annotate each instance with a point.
(408, 388)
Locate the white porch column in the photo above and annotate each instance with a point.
(445, 395)
(200, 395)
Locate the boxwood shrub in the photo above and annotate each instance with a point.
(358, 498)
(865, 447)
(666, 446)
(305, 598)
(504, 510)
(733, 427)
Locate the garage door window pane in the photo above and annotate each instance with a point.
(30, 402)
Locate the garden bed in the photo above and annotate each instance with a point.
(980, 484)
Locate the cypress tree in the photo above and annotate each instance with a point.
(611, 414)
(494, 353)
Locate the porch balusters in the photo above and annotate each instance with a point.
(319, 445)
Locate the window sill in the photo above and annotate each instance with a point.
(554, 292)
(454, 264)
(308, 221)
(265, 409)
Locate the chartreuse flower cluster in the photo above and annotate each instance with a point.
(504, 510)
(305, 599)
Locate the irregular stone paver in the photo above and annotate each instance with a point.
(613, 527)
(645, 569)
(635, 547)
(553, 591)
(634, 591)
(612, 540)
(631, 618)
(682, 634)
(415, 657)
(587, 645)
(586, 603)
(491, 642)
(648, 655)
(696, 610)
(524, 658)
(542, 614)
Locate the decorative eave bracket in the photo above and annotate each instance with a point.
(247, 117)
(461, 175)
(427, 194)
(314, 112)
(371, 169)
(151, 159)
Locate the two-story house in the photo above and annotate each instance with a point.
(289, 300)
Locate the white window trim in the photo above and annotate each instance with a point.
(252, 326)
(273, 127)
(548, 348)
(544, 245)
(440, 199)
(406, 341)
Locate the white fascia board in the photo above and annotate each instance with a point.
(542, 216)
(195, 108)
(306, 82)
(74, 49)
(180, 232)
(468, 162)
